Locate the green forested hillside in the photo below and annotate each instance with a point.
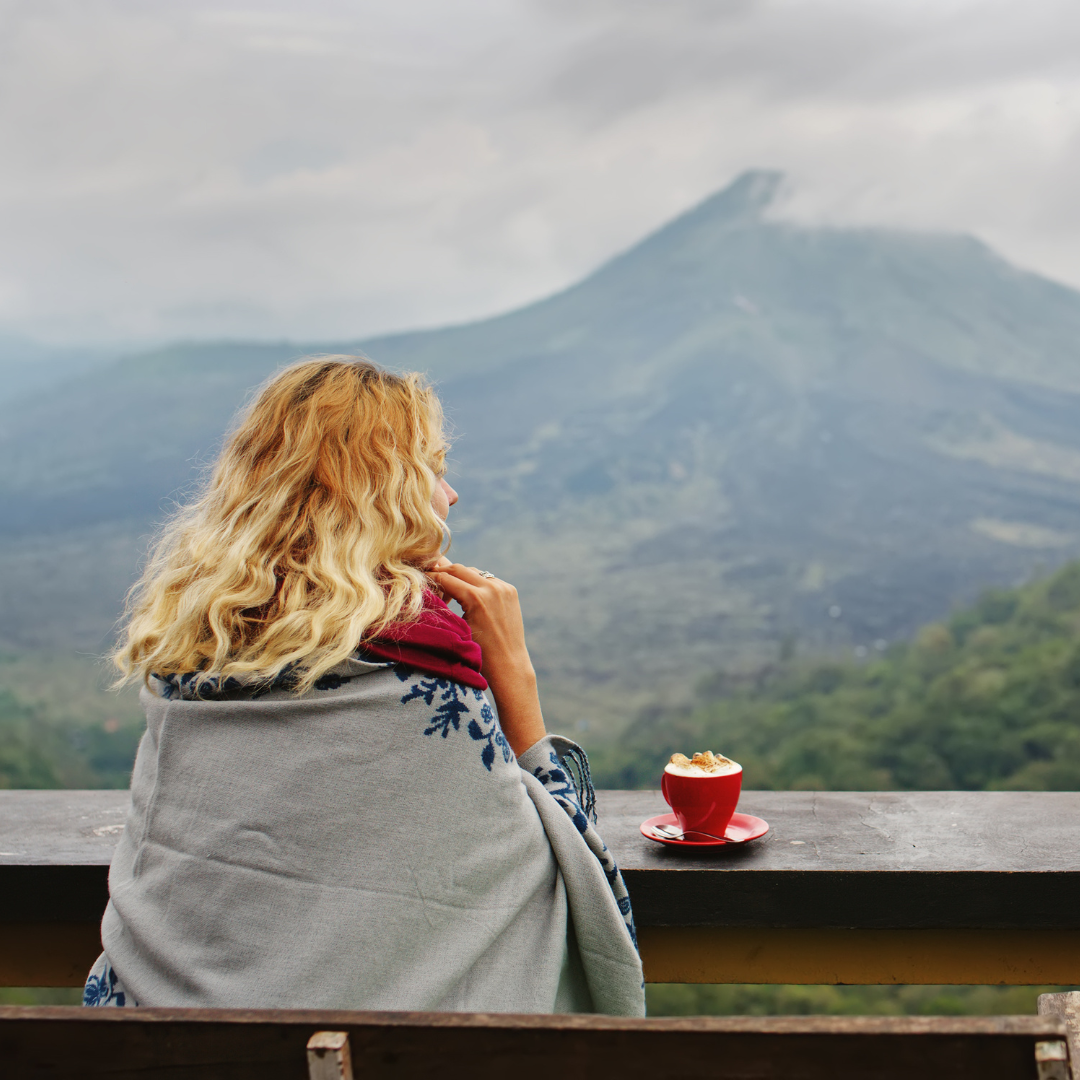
(46, 742)
(989, 699)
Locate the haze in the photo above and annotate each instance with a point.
(340, 169)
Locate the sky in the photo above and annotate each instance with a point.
(339, 168)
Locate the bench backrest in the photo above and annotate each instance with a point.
(268, 1045)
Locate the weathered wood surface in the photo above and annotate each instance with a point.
(831, 859)
(270, 1045)
(55, 850)
(1065, 1007)
(60, 828)
(865, 860)
(329, 1056)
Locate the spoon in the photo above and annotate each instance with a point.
(674, 833)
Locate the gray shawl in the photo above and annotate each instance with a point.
(371, 844)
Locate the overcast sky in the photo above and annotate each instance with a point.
(326, 168)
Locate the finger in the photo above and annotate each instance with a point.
(466, 573)
(439, 564)
(463, 592)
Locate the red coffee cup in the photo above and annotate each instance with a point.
(703, 803)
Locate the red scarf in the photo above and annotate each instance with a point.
(437, 643)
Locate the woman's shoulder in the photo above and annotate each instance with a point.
(439, 711)
(202, 686)
(455, 710)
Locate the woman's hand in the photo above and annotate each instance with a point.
(493, 612)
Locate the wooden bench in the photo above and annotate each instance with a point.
(848, 887)
(273, 1045)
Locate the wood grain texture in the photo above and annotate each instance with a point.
(863, 860)
(329, 1056)
(889, 831)
(60, 828)
(1065, 1007)
(239, 1044)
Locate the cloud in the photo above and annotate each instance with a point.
(349, 166)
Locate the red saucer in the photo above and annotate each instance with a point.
(742, 829)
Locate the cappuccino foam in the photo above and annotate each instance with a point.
(706, 764)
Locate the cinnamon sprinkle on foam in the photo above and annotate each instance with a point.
(706, 762)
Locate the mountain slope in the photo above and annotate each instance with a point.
(739, 430)
(986, 700)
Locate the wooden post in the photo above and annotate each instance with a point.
(1067, 1006)
(1052, 1060)
(329, 1058)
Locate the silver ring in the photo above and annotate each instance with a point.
(485, 573)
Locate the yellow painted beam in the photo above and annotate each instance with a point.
(987, 957)
(47, 954)
(60, 954)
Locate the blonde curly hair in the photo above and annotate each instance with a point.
(313, 531)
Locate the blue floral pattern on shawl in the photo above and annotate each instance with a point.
(562, 787)
(459, 701)
(103, 987)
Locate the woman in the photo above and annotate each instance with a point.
(326, 812)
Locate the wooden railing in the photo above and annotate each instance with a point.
(847, 887)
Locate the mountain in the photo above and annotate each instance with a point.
(742, 431)
(27, 366)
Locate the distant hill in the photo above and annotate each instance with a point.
(28, 366)
(989, 699)
(738, 432)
